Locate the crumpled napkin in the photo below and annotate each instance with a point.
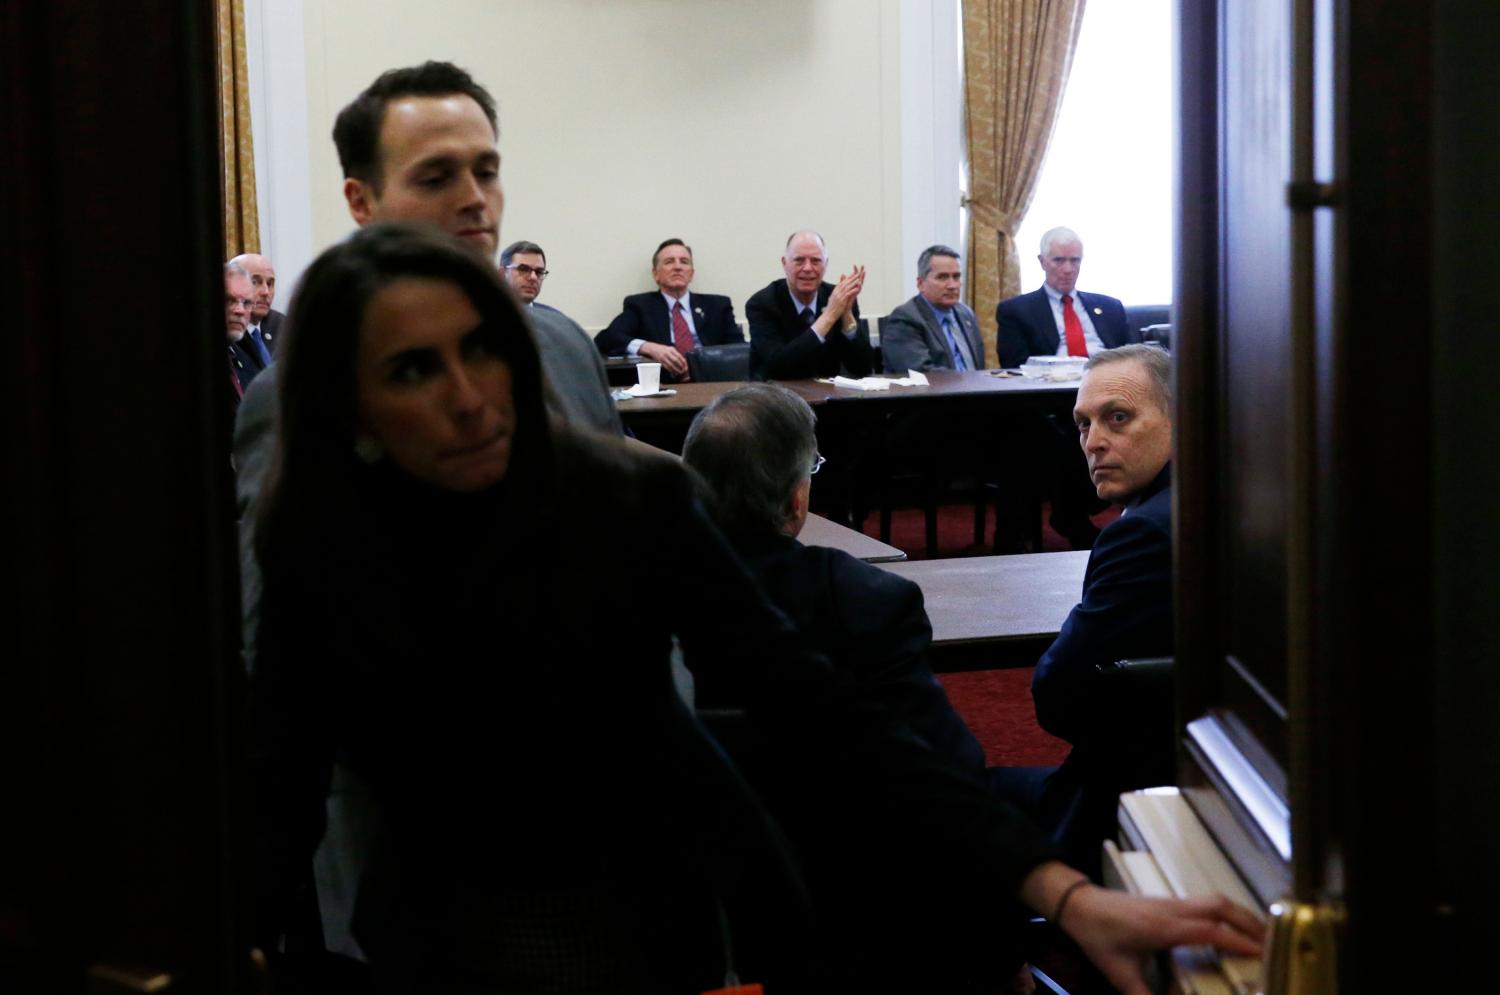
(912, 379)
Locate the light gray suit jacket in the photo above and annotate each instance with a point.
(912, 339)
(574, 371)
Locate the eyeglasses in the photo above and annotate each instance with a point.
(524, 270)
(818, 461)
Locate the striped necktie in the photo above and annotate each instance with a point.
(682, 336)
(958, 354)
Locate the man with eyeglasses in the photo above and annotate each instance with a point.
(525, 267)
(756, 447)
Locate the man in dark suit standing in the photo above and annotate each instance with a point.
(265, 321)
(802, 327)
(1122, 734)
(934, 330)
(667, 325)
(1058, 320)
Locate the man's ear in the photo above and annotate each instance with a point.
(361, 200)
(796, 507)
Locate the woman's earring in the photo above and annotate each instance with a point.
(367, 449)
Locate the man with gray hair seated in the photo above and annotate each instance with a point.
(1058, 320)
(755, 446)
(934, 330)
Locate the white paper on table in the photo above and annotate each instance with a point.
(912, 379)
(863, 383)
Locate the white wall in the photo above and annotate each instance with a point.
(622, 123)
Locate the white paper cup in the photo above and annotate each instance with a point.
(650, 374)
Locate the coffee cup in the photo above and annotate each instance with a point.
(650, 376)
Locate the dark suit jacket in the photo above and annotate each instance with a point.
(912, 339)
(870, 623)
(1126, 612)
(270, 330)
(335, 678)
(1027, 328)
(645, 316)
(245, 363)
(782, 348)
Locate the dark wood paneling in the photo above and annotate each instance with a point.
(1464, 368)
(119, 600)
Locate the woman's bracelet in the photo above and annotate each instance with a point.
(1062, 903)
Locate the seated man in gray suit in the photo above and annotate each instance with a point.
(934, 330)
(670, 322)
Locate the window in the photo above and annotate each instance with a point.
(1108, 173)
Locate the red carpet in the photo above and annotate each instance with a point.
(956, 531)
(996, 705)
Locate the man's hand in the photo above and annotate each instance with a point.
(671, 360)
(1117, 930)
(841, 301)
(839, 311)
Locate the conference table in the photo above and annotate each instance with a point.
(990, 612)
(981, 391)
(819, 531)
(855, 429)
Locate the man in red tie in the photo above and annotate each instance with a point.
(1058, 320)
(666, 325)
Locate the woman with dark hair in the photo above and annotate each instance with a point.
(441, 618)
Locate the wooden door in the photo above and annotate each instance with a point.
(1337, 188)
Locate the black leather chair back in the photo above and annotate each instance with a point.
(720, 362)
(1139, 316)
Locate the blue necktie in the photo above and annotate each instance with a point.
(260, 347)
(958, 356)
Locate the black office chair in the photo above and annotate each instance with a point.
(1139, 316)
(720, 362)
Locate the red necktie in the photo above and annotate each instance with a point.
(234, 378)
(1073, 328)
(682, 338)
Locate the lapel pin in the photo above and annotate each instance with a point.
(1098, 310)
(698, 311)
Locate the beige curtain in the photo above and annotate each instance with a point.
(241, 217)
(1017, 54)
